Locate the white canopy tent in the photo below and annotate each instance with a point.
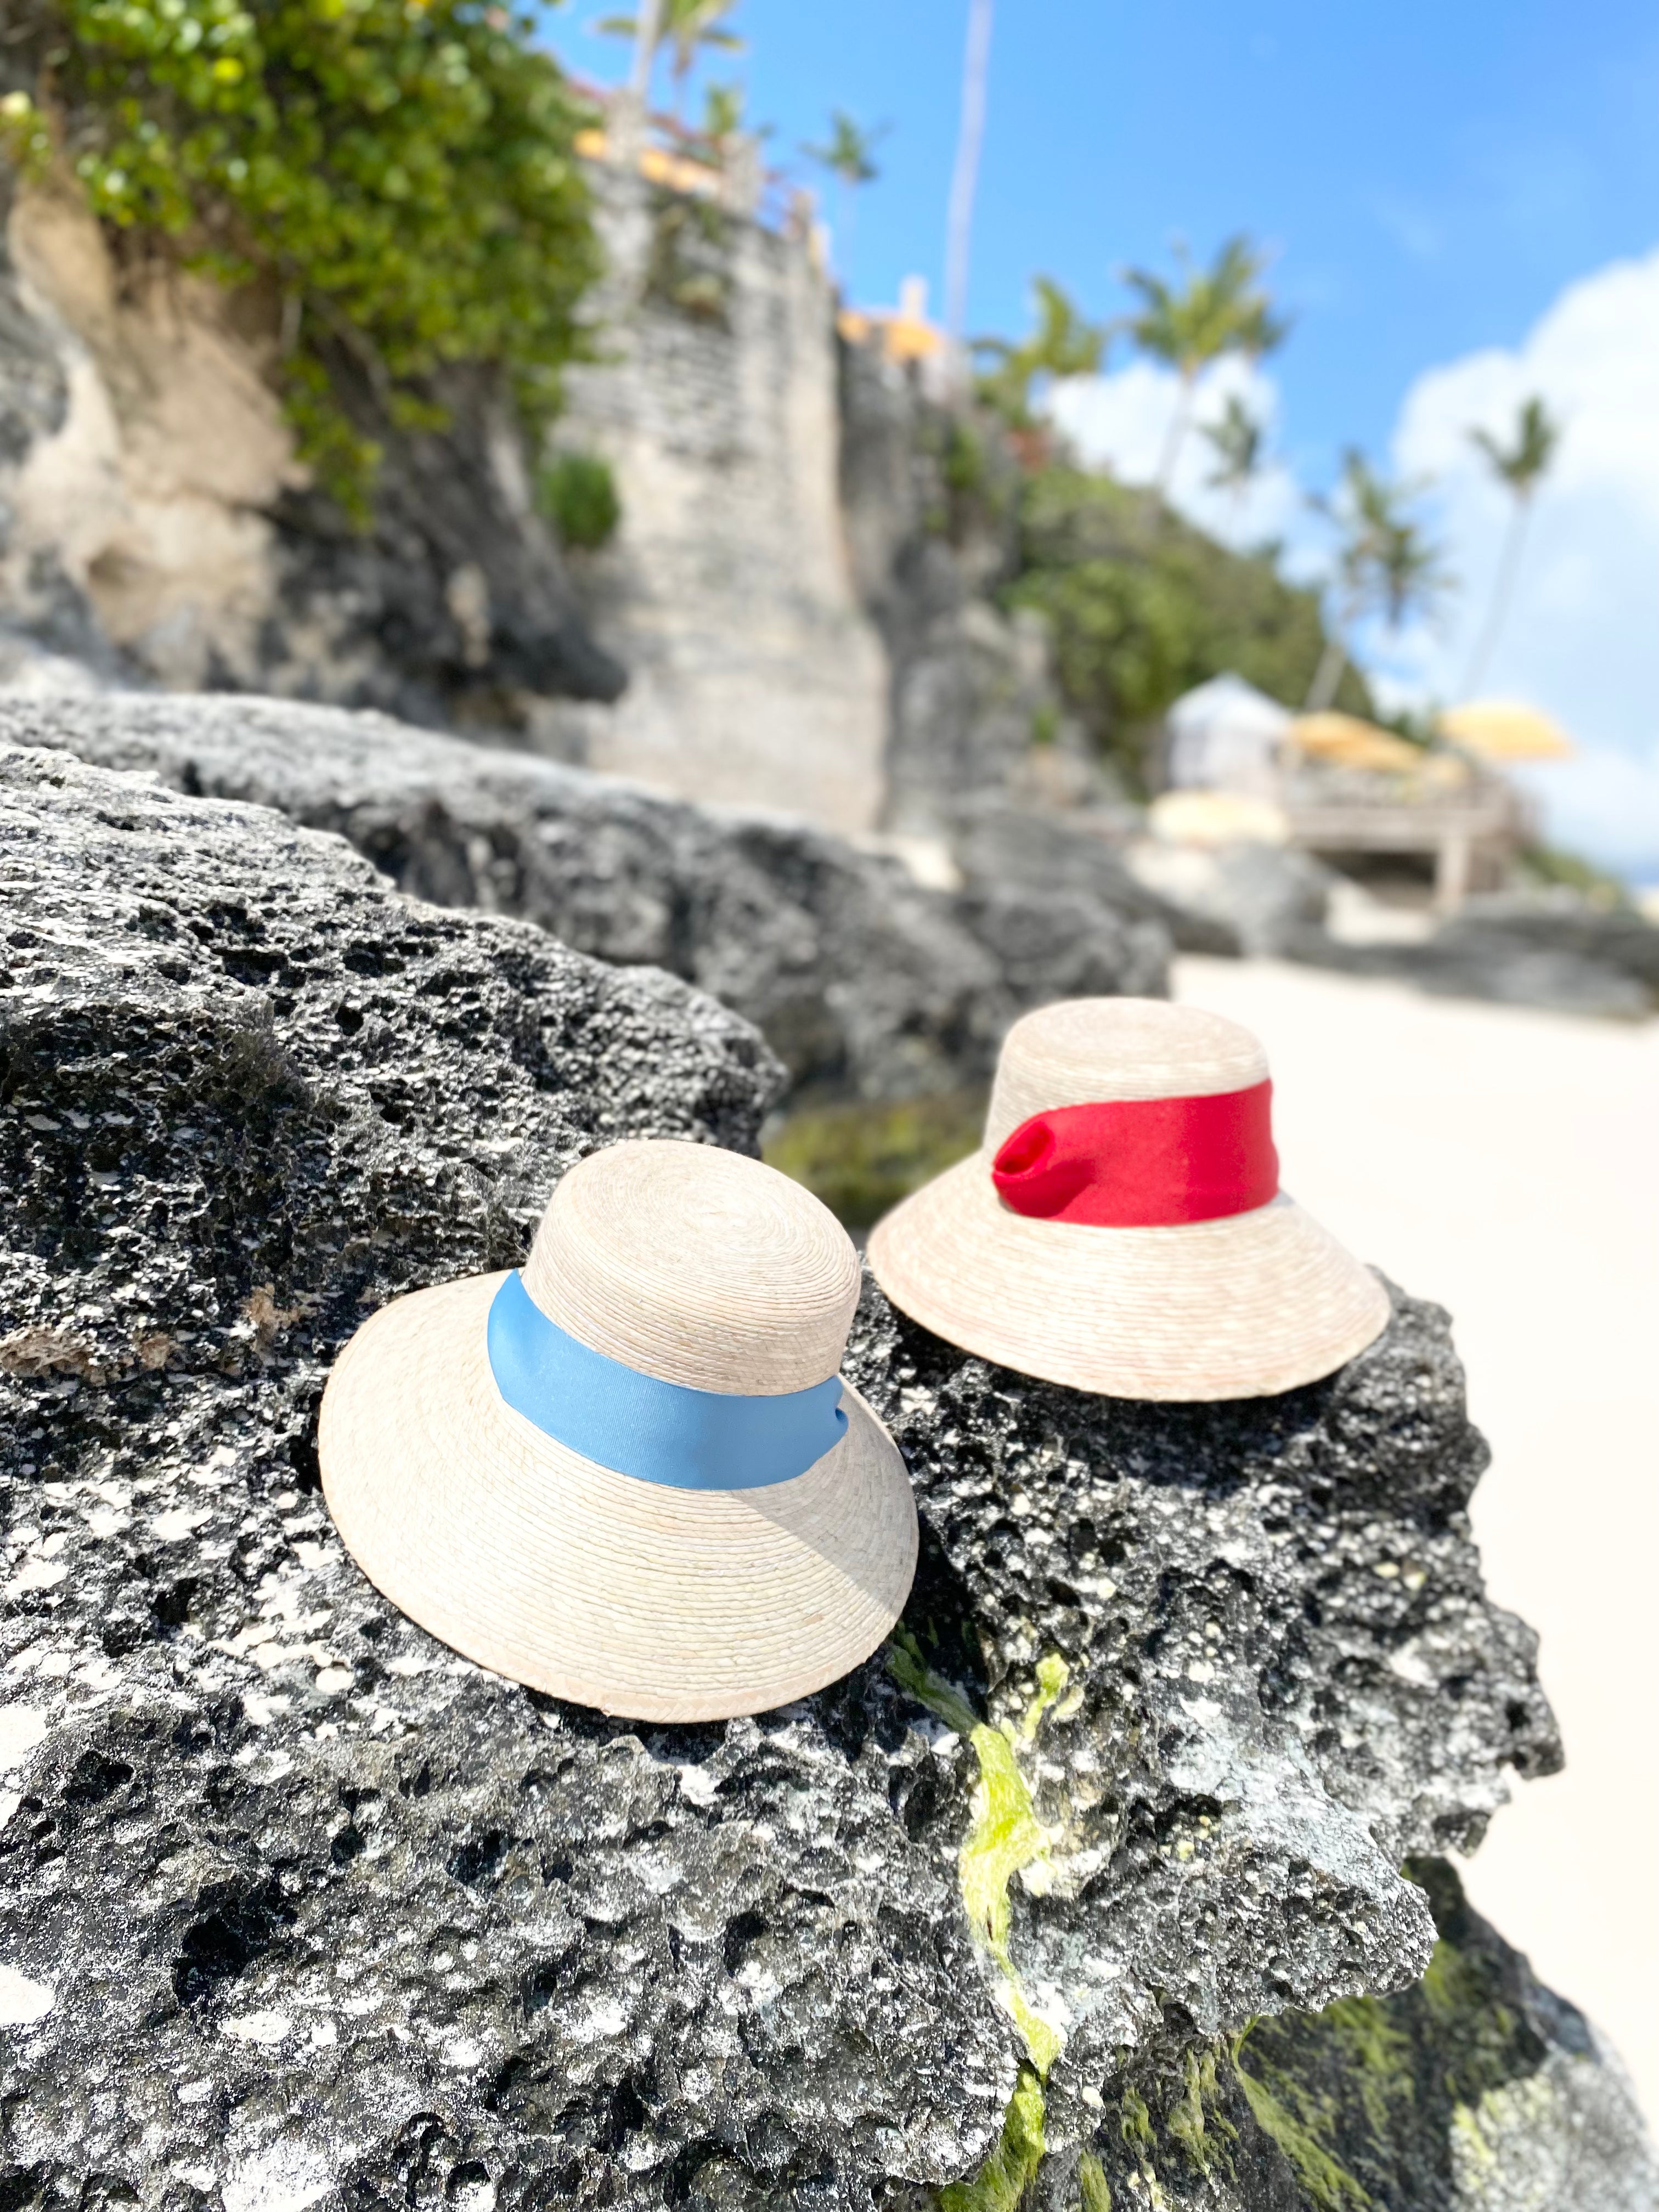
(1225, 736)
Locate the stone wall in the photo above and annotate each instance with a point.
(754, 676)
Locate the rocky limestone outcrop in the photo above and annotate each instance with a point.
(863, 980)
(1553, 949)
(301, 1909)
(155, 525)
(1241, 897)
(1272, 900)
(930, 500)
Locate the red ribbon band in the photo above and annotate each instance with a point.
(1143, 1163)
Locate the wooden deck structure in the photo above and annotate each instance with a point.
(1472, 835)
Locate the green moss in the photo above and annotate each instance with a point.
(1197, 2113)
(1001, 2183)
(1052, 1674)
(1478, 2031)
(1093, 2188)
(1135, 2121)
(1379, 2053)
(400, 178)
(861, 1159)
(576, 493)
(910, 1670)
(1303, 2123)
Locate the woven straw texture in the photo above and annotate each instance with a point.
(641, 1600)
(1237, 1307)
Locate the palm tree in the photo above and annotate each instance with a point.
(1062, 345)
(1386, 565)
(1239, 441)
(686, 26)
(964, 181)
(1192, 323)
(647, 29)
(848, 157)
(1520, 467)
(722, 117)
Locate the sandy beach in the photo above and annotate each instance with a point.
(1506, 1164)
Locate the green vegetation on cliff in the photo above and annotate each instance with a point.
(397, 176)
(1141, 606)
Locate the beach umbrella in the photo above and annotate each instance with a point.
(1344, 741)
(1506, 730)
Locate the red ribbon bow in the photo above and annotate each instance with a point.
(1143, 1163)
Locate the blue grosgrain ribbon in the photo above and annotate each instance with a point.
(640, 1425)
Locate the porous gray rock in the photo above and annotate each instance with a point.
(862, 981)
(1244, 897)
(1083, 858)
(1270, 899)
(326, 1914)
(301, 1908)
(1262, 1607)
(1475, 2090)
(1551, 948)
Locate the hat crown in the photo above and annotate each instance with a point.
(1086, 1051)
(698, 1266)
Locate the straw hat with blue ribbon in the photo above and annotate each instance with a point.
(630, 1474)
(1122, 1228)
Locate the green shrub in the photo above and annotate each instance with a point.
(689, 267)
(1548, 865)
(1142, 607)
(398, 174)
(576, 493)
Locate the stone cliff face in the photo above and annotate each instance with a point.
(756, 677)
(153, 522)
(1088, 1887)
(931, 498)
(795, 612)
(864, 983)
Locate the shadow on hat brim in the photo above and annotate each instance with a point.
(648, 1602)
(1238, 1307)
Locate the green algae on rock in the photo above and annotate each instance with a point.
(1474, 2088)
(1005, 1838)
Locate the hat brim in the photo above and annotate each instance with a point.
(1237, 1307)
(644, 1600)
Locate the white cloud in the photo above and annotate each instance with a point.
(1582, 638)
(1119, 422)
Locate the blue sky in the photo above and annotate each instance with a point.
(1434, 179)
(1431, 173)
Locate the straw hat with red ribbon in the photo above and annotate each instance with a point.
(630, 1473)
(1122, 1228)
